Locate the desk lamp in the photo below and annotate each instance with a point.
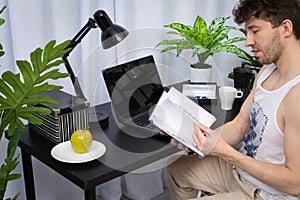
(111, 35)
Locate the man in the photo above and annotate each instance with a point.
(268, 164)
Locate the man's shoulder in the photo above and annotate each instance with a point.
(292, 98)
(294, 91)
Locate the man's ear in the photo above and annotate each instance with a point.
(287, 27)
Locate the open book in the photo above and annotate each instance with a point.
(175, 114)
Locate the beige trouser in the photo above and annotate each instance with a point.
(188, 174)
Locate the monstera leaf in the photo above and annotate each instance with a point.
(26, 87)
(18, 90)
(10, 164)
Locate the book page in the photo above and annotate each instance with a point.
(191, 108)
(175, 114)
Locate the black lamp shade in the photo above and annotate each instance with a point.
(112, 34)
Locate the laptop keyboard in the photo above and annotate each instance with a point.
(142, 120)
(149, 128)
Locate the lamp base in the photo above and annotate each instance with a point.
(97, 118)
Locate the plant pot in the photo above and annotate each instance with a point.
(200, 74)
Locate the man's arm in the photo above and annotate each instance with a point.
(234, 131)
(285, 178)
(291, 131)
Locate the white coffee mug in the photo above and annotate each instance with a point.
(227, 94)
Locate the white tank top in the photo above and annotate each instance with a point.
(264, 141)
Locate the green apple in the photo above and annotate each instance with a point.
(81, 141)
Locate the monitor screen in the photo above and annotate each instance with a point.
(134, 86)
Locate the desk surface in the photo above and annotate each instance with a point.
(124, 153)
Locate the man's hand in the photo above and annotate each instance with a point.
(179, 145)
(206, 139)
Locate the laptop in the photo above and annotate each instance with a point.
(134, 88)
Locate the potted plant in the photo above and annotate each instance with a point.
(18, 90)
(203, 41)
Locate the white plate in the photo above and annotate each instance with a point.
(64, 152)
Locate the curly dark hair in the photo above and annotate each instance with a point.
(273, 11)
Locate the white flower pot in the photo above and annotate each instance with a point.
(200, 75)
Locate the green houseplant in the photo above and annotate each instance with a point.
(203, 41)
(18, 90)
(26, 87)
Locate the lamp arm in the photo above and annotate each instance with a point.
(74, 42)
(74, 79)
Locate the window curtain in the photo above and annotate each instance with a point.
(32, 23)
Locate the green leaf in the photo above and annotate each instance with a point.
(47, 50)
(12, 144)
(234, 40)
(173, 33)
(26, 70)
(2, 21)
(36, 61)
(220, 35)
(2, 9)
(6, 118)
(39, 89)
(15, 82)
(178, 45)
(56, 63)
(9, 165)
(181, 28)
(16, 122)
(54, 74)
(200, 25)
(55, 52)
(34, 109)
(12, 177)
(230, 75)
(168, 49)
(217, 24)
(1, 48)
(243, 31)
(6, 89)
(171, 42)
(16, 196)
(34, 100)
(16, 90)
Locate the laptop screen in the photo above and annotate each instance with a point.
(134, 87)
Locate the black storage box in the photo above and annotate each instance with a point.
(70, 114)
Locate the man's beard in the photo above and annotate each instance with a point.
(272, 52)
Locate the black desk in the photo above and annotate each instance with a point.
(124, 154)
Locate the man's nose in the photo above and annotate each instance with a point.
(249, 41)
